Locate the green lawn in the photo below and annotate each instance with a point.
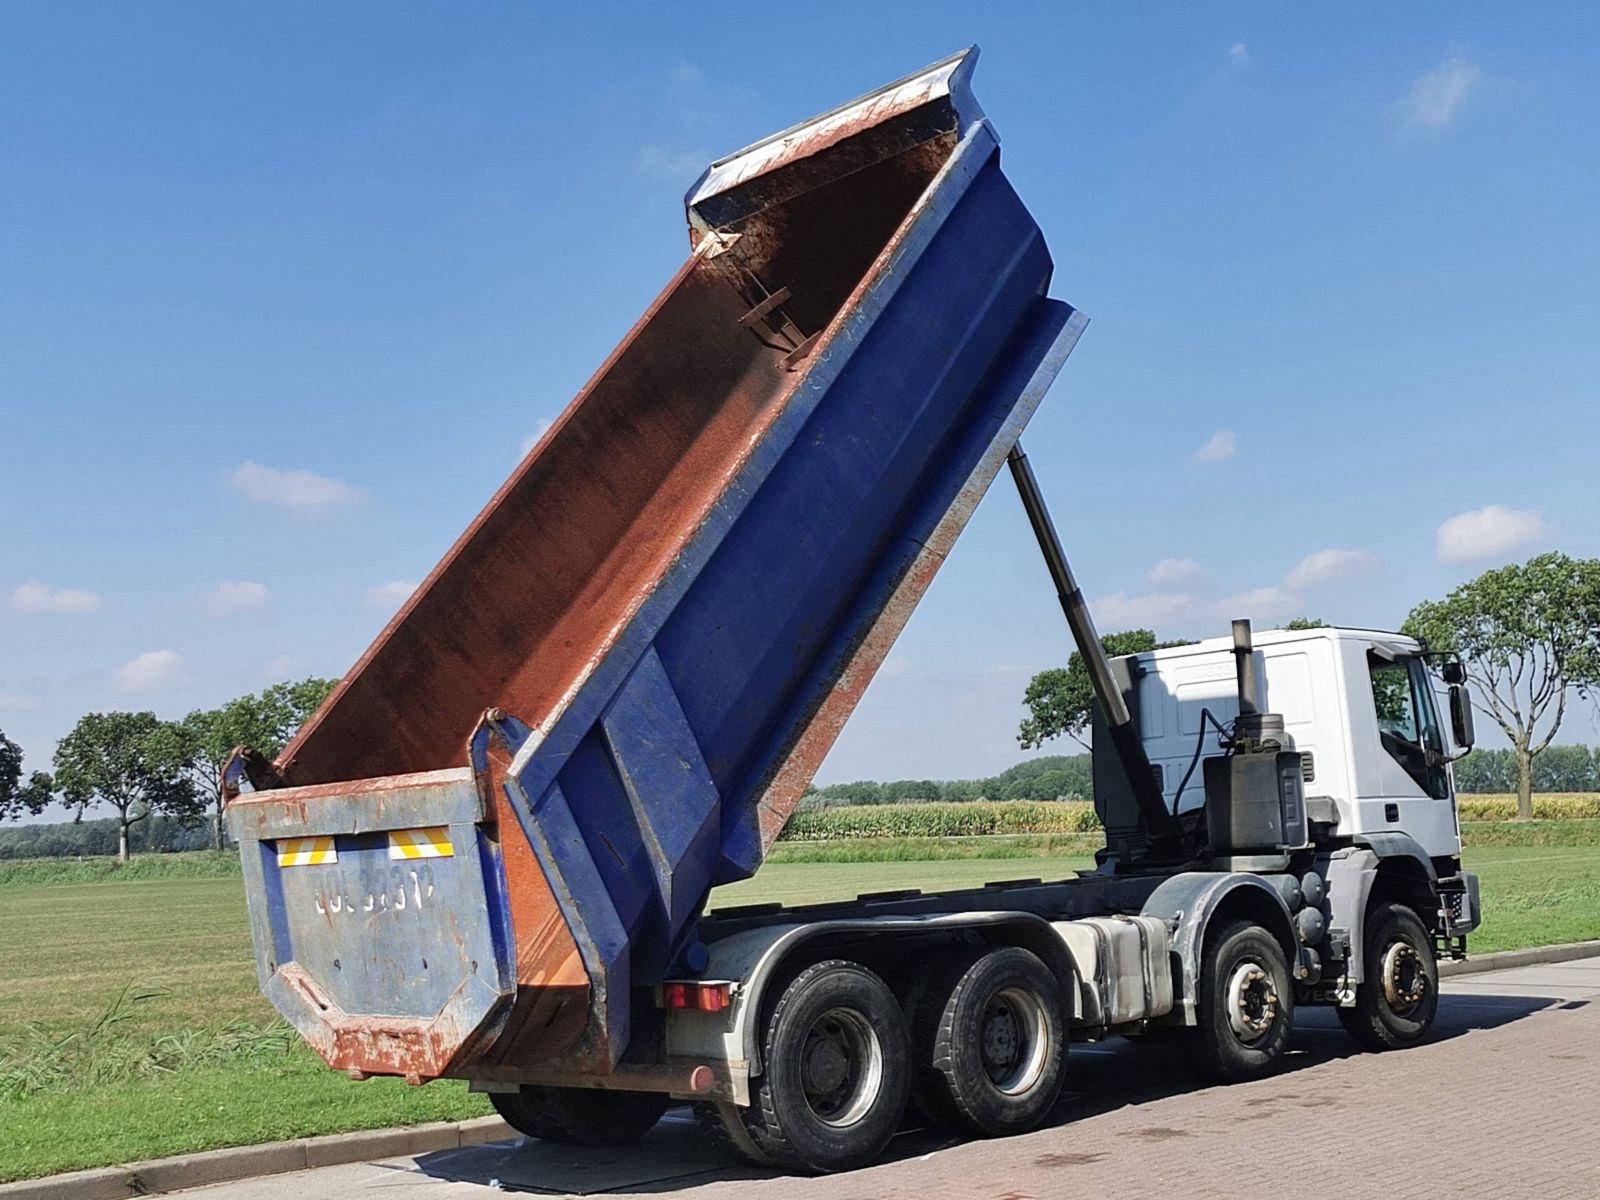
(171, 1077)
(1536, 895)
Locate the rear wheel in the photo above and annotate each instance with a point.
(722, 1123)
(1245, 1003)
(836, 1072)
(989, 1041)
(580, 1116)
(1399, 999)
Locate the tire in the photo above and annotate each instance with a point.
(580, 1116)
(836, 1072)
(1245, 1004)
(989, 1040)
(1396, 1005)
(722, 1125)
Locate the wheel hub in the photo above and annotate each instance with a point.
(999, 1035)
(1014, 1041)
(1253, 1002)
(1405, 981)
(841, 1067)
(826, 1066)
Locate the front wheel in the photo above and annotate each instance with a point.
(1245, 1004)
(580, 1116)
(1399, 997)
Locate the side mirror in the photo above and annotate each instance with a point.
(1453, 672)
(1461, 715)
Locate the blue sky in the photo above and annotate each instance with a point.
(288, 289)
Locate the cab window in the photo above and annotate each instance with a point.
(1408, 723)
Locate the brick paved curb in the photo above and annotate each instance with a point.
(1534, 956)
(246, 1162)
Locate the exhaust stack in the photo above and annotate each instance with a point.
(1245, 668)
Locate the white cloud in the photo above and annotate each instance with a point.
(1437, 96)
(1152, 610)
(1260, 603)
(1238, 54)
(390, 595)
(36, 597)
(1327, 565)
(152, 671)
(1012, 669)
(285, 666)
(540, 428)
(1488, 532)
(1219, 447)
(1170, 572)
(230, 599)
(674, 166)
(291, 489)
(686, 72)
(894, 666)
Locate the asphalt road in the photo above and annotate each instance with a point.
(1501, 1103)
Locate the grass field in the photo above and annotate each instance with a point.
(197, 1064)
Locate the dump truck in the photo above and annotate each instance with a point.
(488, 856)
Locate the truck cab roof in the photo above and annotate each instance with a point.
(1388, 642)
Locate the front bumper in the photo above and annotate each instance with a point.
(1460, 911)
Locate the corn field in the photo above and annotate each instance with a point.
(988, 817)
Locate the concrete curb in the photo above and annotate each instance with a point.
(1534, 956)
(245, 1162)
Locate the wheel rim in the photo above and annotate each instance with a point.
(1405, 980)
(1013, 1040)
(1253, 1002)
(841, 1067)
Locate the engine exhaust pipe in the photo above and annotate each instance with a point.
(1244, 664)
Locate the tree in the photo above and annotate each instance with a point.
(17, 797)
(205, 738)
(1528, 636)
(10, 767)
(1307, 623)
(1049, 777)
(1061, 699)
(129, 761)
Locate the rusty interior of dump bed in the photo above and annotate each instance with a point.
(543, 581)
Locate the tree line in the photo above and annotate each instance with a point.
(158, 778)
(1048, 777)
(1566, 768)
(1569, 768)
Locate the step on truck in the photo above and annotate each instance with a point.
(488, 856)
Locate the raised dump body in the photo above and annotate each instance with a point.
(611, 693)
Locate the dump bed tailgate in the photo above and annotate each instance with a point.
(378, 916)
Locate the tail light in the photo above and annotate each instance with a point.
(697, 995)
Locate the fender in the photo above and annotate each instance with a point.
(1187, 903)
(752, 959)
(1398, 845)
(1351, 875)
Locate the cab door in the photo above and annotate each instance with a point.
(1409, 765)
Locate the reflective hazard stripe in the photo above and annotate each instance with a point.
(433, 842)
(306, 852)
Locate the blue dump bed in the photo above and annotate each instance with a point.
(611, 694)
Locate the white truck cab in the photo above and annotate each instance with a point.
(1359, 704)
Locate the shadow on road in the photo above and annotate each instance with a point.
(1101, 1078)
